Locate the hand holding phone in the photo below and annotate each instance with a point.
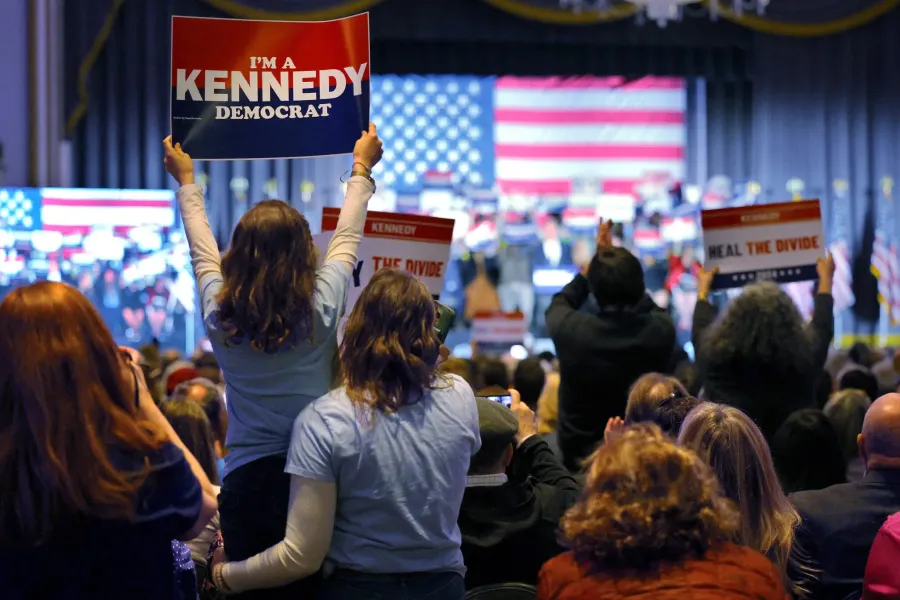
(443, 321)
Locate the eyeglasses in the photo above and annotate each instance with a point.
(676, 394)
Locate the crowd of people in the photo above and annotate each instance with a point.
(334, 452)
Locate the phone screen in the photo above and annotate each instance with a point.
(504, 400)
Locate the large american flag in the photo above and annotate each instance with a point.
(886, 268)
(531, 136)
(551, 132)
(842, 286)
(72, 211)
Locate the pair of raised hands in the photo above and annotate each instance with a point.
(367, 152)
(824, 269)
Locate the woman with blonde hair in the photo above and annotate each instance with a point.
(731, 443)
(378, 466)
(271, 315)
(652, 523)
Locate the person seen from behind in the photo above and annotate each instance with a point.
(207, 396)
(847, 410)
(192, 426)
(652, 523)
(808, 433)
(733, 446)
(759, 355)
(628, 336)
(95, 482)
(378, 466)
(509, 526)
(840, 523)
(271, 316)
(529, 378)
(660, 399)
(859, 378)
(882, 578)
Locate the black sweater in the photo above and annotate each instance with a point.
(510, 531)
(600, 355)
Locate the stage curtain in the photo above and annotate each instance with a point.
(796, 18)
(825, 110)
(287, 10)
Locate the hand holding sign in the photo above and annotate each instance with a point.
(368, 150)
(779, 242)
(705, 281)
(178, 163)
(825, 270)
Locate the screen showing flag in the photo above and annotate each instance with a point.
(121, 248)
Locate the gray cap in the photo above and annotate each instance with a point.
(496, 423)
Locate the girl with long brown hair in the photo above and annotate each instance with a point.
(88, 464)
(378, 467)
(271, 316)
(731, 443)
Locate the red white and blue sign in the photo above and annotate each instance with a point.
(244, 89)
(765, 242)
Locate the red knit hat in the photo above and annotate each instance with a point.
(180, 376)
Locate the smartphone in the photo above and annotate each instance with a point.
(443, 320)
(504, 400)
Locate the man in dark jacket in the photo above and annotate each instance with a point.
(509, 523)
(602, 353)
(840, 523)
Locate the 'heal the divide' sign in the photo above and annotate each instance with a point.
(414, 243)
(245, 89)
(767, 242)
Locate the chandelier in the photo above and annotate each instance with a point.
(663, 11)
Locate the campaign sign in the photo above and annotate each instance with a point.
(414, 243)
(246, 89)
(497, 332)
(766, 242)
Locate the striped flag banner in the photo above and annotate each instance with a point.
(78, 211)
(73, 211)
(886, 269)
(842, 286)
(551, 131)
(801, 292)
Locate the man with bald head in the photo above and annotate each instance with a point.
(841, 522)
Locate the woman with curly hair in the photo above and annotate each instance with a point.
(759, 355)
(729, 442)
(378, 467)
(271, 317)
(651, 523)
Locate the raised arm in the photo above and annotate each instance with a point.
(704, 312)
(821, 327)
(360, 188)
(204, 250)
(569, 300)
(534, 458)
